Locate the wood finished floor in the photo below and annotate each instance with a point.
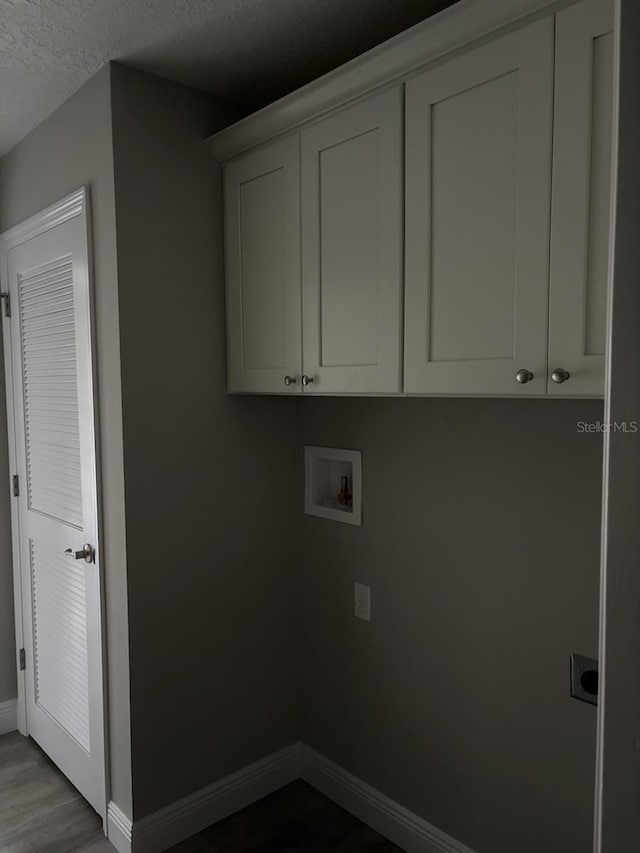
(41, 812)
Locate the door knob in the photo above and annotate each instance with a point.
(87, 554)
(307, 380)
(560, 375)
(524, 376)
(290, 380)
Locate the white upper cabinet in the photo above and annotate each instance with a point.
(262, 237)
(352, 248)
(433, 219)
(581, 199)
(477, 184)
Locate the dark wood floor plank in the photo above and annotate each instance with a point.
(295, 818)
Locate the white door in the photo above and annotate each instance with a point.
(49, 372)
(477, 185)
(262, 238)
(351, 165)
(581, 205)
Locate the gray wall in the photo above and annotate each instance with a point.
(211, 483)
(620, 765)
(481, 544)
(70, 149)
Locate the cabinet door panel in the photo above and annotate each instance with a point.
(581, 197)
(351, 248)
(478, 171)
(262, 207)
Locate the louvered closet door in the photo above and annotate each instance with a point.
(55, 457)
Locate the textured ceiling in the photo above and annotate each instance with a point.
(249, 51)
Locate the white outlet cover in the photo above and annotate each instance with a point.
(362, 601)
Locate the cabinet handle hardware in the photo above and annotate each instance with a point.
(560, 375)
(290, 380)
(524, 376)
(307, 380)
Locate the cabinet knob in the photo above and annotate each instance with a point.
(524, 376)
(560, 375)
(290, 380)
(307, 380)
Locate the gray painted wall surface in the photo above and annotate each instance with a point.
(620, 770)
(211, 483)
(481, 544)
(70, 149)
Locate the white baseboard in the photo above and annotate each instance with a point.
(398, 824)
(118, 828)
(191, 815)
(8, 716)
(194, 813)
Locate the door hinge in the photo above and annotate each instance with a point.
(6, 298)
(16, 485)
(23, 660)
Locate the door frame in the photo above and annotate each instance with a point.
(76, 204)
(618, 735)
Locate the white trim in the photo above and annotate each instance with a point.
(194, 813)
(453, 27)
(71, 205)
(8, 716)
(118, 828)
(403, 827)
(21, 710)
(602, 612)
(191, 815)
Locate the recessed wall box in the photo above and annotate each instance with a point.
(333, 484)
(584, 679)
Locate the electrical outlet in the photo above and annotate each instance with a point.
(584, 679)
(362, 601)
